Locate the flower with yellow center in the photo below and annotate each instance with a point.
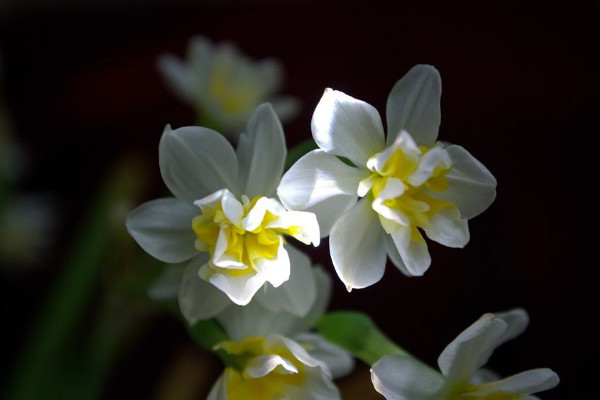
(381, 201)
(461, 378)
(224, 205)
(225, 86)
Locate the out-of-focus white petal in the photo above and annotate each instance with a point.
(338, 360)
(412, 250)
(414, 105)
(199, 299)
(286, 107)
(163, 228)
(239, 289)
(219, 390)
(298, 294)
(178, 77)
(517, 321)
(472, 188)
(448, 228)
(275, 270)
(357, 247)
(261, 153)
(258, 367)
(484, 375)
(195, 162)
(532, 381)
(404, 378)
(166, 286)
(347, 127)
(472, 348)
(433, 158)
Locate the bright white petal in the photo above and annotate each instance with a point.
(232, 208)
(338, 360)
(179, 78)
(528, 382)
(259, 367)
(240, 289)
(304, 224)
(166, 286)
(448, 228)
(195, 162)
(347, 127)
(357, 247)
(298, 294)
(163, 228)
(392, 252)
(255, 216)
(261, 153)
(414, 105)
(413, 251)
(472, 348)
(199, 299)
(404, 378)
(472, 188)
(435, 157)
(276, 270)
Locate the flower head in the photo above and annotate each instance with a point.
(392, 189)
(404, 378)
(224, 85)
(224, 206)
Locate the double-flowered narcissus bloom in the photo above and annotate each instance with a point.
(391, 189)
(404, 378)
(224, 86)
(272, 356)
(224, 206)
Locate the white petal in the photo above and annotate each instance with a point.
(179, 78)
(163, 228)
(414, 105)
(219, 390)
(413, 251)
(240, 289)
(261, 153)
(347, 127)
(256, 215)
(195, 162)
(532, 381)
(338, 360)
(472, 348)
(298, 294)
(199, 299)
(320, 183)
(517, 321)
(448, 228)
(392, 252)
(393, 188)
(403, 142)
(306, 227)
(484, 375)
(166, 286)
(232, 208)
(357, 247)
(276, 270)
(259, 367)
(427, 164)
(220, 258)
(404, 378)
(323, 283)
(200, 55)
(472, 188)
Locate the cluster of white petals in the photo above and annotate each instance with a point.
(224, 207)
(224, 85)
(391, 189)
(273, 356)
(462, 376)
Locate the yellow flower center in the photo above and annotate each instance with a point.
(233, 97)
(274, 385)
(242, 246)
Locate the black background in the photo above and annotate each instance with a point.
(520, 92)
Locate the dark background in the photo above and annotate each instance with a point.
(520, 92)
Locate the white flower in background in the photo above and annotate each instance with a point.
(224, 86)
(224, 206)
(409, 185)
(272, 356)
(404, 378)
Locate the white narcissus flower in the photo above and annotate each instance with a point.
(224, 206)
(224, 86)
(394, 189)
(404, 378)
(273, 356)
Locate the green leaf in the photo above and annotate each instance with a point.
(358, 334)
(207, 333)
(298, 151)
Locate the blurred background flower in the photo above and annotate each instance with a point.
(82, 90)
